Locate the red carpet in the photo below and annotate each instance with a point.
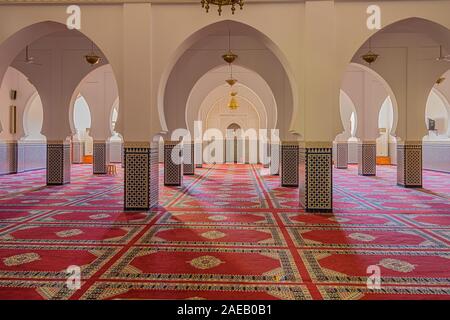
(231, 232)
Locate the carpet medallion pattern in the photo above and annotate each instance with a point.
(230, 232)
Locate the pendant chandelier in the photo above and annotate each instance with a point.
(370, 57)
(220, 3)
(92, 58)
(229, 58)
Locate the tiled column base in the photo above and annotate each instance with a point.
(289, 165)
(341, 160)
(101, 157)
(188, 158)
(123, 155)
(77, 151)
(409, 164)
(316, 182)
(58, 162)
(141, 176)
(367, 158)
(198, 154)
(173, 172)
(274, 166)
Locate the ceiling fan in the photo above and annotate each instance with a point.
(29, 59)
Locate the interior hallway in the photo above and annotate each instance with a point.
(230, 233)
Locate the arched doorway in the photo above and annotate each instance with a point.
(231, 151)
(82, 125)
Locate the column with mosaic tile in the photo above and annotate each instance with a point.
(58, 162)
(289, 164)
(367, 158)
(188, 158)
(341, 155)
(198, 154)
(173, 163)
(141, 175)
(315, 177)
(100, 156)
(409, 164)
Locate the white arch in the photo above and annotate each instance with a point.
(387, 87)
(443, 100)
(204, 31)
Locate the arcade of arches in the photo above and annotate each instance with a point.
(313, 150)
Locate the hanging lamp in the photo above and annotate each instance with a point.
(92, 58)
(206, 4)
(233, 104)
(370, 57)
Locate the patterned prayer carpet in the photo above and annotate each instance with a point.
(230, 232)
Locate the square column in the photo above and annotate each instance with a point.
(198, 155)
(289, 164)
(316, 180)
(265, 155)
(100, 156)
(367, 158)
(141, 176)
(77, 151)
(409, 164)
(341, 159)
(275, 152)
(188, 158)
(58, 162)
(173, 172)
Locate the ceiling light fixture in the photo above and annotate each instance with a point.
(229, 58)
(233, 104)
(92, 58)
(370, 57)
(206, 4)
